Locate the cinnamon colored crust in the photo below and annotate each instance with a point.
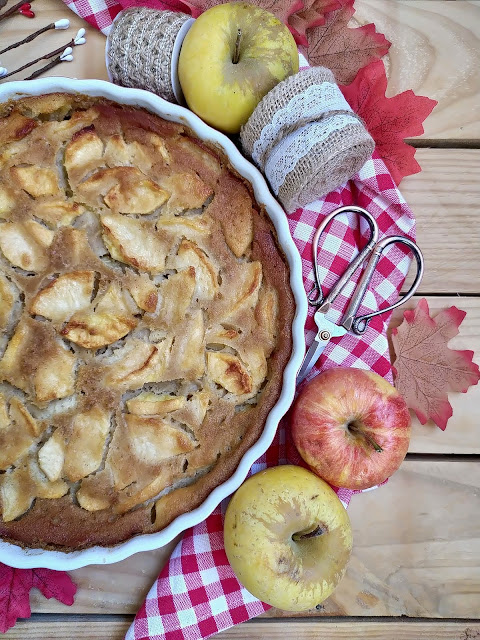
(146, 318)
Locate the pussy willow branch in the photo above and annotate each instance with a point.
(47, 56)
(47, 67)
(32, 36)
(13, 9)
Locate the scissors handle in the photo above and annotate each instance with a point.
(319, 301)
(359, 325)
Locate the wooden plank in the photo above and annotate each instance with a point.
(461, 434)
(38, 629)
(419, 537)
(345, 630)
(436, 52)
(68, 628)
(117, 588)
(444, 198)
(416, 553)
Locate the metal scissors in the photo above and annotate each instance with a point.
(349, 322)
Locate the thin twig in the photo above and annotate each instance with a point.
(60, 24)
(47, 67)
(47, 56)
(13, 9)
(78, 40)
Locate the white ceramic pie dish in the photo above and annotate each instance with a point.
(14, 555)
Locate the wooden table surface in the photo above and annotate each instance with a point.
(415, 569)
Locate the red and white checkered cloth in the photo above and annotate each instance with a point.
(98, 13)
(197, 593)
(101, 13)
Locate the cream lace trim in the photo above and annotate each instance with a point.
(286, 154)
(312, 104)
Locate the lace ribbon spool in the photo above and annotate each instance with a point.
(305, 138)
(142, 50)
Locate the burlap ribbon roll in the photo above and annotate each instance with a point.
(141, 47)
(305, 138)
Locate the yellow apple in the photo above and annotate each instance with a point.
(231, 57)
(287, 537)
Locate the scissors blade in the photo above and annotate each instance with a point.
(315, 350)
(326, 331)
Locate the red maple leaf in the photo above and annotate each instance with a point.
(311, 15)
(389, 120)
(425, 368)
(15, 586)
(343, 50)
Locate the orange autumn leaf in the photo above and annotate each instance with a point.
(425, 368)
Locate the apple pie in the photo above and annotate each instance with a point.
(145, 317)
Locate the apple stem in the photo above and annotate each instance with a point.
(318, 531)
(236, 53)
(353, 428)
(372, 442)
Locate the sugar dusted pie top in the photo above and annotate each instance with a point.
(145, 318)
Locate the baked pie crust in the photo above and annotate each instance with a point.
(145, 318)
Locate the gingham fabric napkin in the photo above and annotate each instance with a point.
(197, 593)
(101, 13)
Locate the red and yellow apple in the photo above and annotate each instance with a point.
(287, 537)
(233, 55)
(351, 427)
